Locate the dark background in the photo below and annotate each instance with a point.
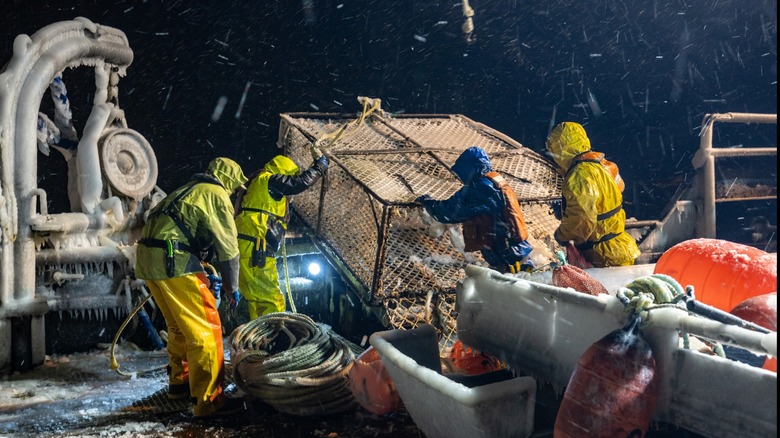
(654, 68)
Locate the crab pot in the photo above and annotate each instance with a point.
(367, 223)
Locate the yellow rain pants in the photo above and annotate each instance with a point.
(259, 286)
(194, 336)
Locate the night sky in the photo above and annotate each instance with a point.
(640, 75)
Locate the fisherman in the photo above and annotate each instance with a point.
(488, 209)
(196, 216)
(262, 215)
(592, 215)
(763, 233)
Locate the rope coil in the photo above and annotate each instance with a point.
(294, 364)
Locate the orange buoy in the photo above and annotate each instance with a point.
(613, 390)
(722, 273)
(760, 310)
(372, 386)
(471, 361)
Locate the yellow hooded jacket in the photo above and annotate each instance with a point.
(593, 213)
(257, 203)
(204, 208)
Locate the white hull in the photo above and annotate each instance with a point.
(542, 330)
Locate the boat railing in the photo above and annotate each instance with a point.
(704, 162)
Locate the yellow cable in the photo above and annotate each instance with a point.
(114, 363)
(340, 133)
(287, 278)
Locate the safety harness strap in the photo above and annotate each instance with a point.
(610, 213)
(590, 244)
(168, 244)
(258, 210)
(252, 239)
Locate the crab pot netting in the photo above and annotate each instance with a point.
(364, 210)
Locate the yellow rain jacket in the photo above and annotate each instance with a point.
(593, 217)
(192, 218)
(259, 279)
(265, 203)
(204, 213)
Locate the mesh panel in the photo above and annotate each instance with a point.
(449, 132)
(368, 217)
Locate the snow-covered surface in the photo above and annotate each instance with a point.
(543, 330)
(78, 395)
(79, 391)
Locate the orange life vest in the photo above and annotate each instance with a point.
(598, 157)
(479, 232)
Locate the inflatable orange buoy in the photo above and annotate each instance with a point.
(473, 362)
(613, 390)
(760, 310)
(371, 385)
(722, 273)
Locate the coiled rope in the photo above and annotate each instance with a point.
(293, 364)
(657, 291)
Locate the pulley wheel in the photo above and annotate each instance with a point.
(129, 163)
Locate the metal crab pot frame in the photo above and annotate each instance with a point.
(368, 223)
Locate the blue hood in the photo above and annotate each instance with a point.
(472, 163)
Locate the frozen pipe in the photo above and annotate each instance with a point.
(61, 277)
(114, 205)
(677, 319)
(92, 254)
(70, 223)
(36, 62)
(88, 158)
(101, 84)
(14, 309)
(43, 202)
(86, 302)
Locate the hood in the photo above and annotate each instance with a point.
(228, 172)
(565, 142)
(473, 162)
(282, 165)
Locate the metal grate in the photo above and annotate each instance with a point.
(158, 403)
(364, 211)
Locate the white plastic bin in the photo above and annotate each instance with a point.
(488, 405)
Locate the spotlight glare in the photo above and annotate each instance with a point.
(314, 268)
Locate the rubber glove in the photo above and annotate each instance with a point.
(233, 299)
(557, 208)
(215, 284)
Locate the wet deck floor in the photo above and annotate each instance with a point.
(80, 396)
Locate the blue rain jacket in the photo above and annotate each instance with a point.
(477, 196)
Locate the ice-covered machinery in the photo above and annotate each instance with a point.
(77, 260)
(364, 211)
